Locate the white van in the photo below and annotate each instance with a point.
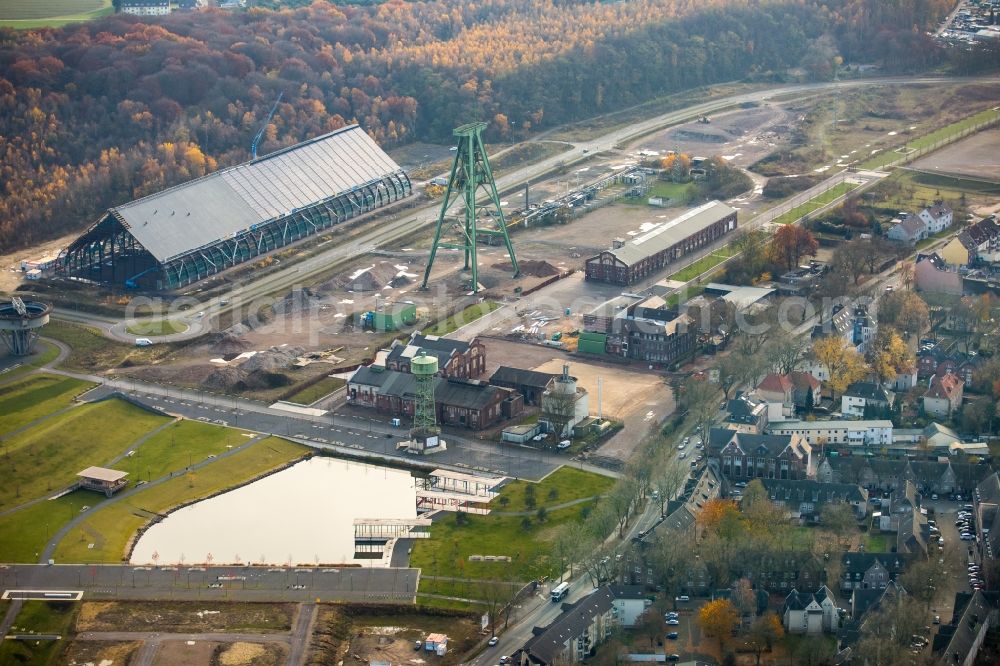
(143, 342)
(565, 444)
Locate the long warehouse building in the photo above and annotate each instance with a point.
(191, 231)
(628, 262)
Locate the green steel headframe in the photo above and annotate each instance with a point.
(470, 171)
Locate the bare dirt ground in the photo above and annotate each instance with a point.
(637, 397)
(977, 156)
(10, 262)
(187, 617)
(80, 653)
(743, 136)
(181, 653)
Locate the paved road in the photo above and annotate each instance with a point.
(239, 583)
(335, 433)
(389, 230)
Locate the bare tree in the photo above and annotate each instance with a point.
(667, 480)
(622, 501)
(784, 350)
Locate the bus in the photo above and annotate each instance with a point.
(560, 591)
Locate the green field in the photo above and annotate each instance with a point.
(154, 327)
(110, 528)
(447, 552)
(24, 533)
(816, 203)
(44, 353)
(47, 457)
(179, 446)
(50, 13)
(311, 394)
(39, 617)
(459, 319)
(39, 395)
(927, 140)
(876, 543)
(668, 190)
(706, 263)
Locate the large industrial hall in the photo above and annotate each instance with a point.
(199, 228)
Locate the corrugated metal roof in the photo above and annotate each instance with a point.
(227, 202)
(670, 233)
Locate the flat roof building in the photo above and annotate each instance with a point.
(654, 250)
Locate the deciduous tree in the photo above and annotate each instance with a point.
(790, 244)
(717, 619)
(842, 361)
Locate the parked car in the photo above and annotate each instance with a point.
(683, 597)
(672, 636)
(673, 657)
(493, 641)
(673, 622)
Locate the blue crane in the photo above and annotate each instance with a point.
(263, 128)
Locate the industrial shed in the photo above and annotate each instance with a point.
(199, 228)
(628, 262)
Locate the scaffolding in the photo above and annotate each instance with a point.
(470, 173)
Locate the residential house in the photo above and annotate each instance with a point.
(467, 403)
(776, 390)
(456, 358)
(144, 7)
(933, 275)
(811, 613)
(988, 492)
(937, 217)
(863, 398)
(864, 600)
(747, 413)
(979, 242)
(747, 456)
(839, 433)
(906, 379)
(529, 383)
(852, 324)
(806, 389)
(804, 499)
(908, 229)
(889, 476)
(630, 602)
(574, 635)
(944, 396)
(903, 516)
(871, 571)
(975, 614)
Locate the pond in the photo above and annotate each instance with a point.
(302, 515)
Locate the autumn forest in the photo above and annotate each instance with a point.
(98, 113)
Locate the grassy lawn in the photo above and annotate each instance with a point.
(674, 299)
(447, 552)
(110, 528)
(44, 353)
(25, 401)
(154, 327)
(669, 190)
(311, 394)
(177, 446)
(459, 319)
(50, 13)
(39, 617)
(927, 140)
(23, 534)
(814, 204)
(93, 352)
(48, 456)
(706, 263)
(564, 485)
(877, 543)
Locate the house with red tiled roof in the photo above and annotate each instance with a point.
(943, 396)
(775, 388)
(805, 389)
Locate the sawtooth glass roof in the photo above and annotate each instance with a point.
(234, 200)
